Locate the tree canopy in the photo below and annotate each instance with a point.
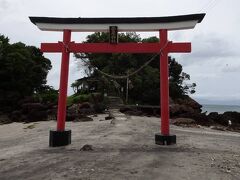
(23, 71)
(144, 85)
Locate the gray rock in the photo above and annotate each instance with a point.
(183, 121)
(87, 147)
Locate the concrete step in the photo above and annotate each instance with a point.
(114, 102)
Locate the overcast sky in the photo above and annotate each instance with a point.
(214, 63)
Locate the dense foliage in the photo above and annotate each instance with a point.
(23, 72)
(144, 87)
(46, 94)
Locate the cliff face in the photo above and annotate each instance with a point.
(188, 101)
(183, 106)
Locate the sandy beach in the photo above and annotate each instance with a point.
(124, 149)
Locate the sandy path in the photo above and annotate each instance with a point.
(122, 150)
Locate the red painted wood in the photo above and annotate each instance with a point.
(51, 47)
(179, 47)
(164, 87)
(118, 48)
(62, 99)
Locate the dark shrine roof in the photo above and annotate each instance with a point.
(118, 20)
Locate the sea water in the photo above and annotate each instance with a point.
(219, 108)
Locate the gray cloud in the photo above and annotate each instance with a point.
(229, 68)
(211, 46)
(210, 49)
(3, 5)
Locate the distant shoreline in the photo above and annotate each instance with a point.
(219, 108)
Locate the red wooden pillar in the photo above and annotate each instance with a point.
(164, 84)
(62, 99)
(164, 138)
(62, 137)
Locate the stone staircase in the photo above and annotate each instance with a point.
(114, 102)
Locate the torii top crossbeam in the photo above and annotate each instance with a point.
(123, 24)
(161, 24)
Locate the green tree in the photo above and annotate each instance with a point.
(47, 94)
(145, 85)
(23, 71)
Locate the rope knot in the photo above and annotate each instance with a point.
(66, 46)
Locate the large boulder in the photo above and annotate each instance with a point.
(71, 116)
(214, 116)
(85, 108)
(184, 121)
(78, 112)
(17, 116)
(85, 105)
(200, 118)
(83, 118)
(177, 109)
(230, 118)
(86, 111)
(73, 108)
(28, 107)
(4, 119)
(30, 112)
(37, 115)
(189, 102)
(226, 119)
(185, 105)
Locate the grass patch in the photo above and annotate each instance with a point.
(78, 98)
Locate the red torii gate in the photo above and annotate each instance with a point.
(62, 137)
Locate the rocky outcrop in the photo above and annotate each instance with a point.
(183, 106)
(189, 108)
(226, 121)
(184, 121)
(228, 118)
(80, 112)
(30, 112)
(214, 116)
(188, 101)
(4, 119)
(200, 118)
(178, 109)
(81, 118)
(132, 111)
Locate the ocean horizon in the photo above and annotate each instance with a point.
(219, 108)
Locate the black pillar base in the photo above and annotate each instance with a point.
(59, 138)
(165, 139)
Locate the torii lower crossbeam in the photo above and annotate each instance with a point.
(118, 48)
(66, 47)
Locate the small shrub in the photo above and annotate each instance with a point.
(47, 95)
(76, 99)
